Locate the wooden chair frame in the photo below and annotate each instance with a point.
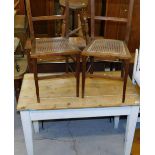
(125, 60)
(33, 57)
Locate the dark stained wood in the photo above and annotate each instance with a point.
(128, 27)
(54, 17)
(48, 48)
(117, 30)
(114, 19)
(134, 41)
(109, 49)
(34, 61)
(125, 79)
(127, 20)
(112, 29)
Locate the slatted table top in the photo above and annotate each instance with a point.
(59, 93)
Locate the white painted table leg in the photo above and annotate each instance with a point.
(36, 126)
(130, 129)
(27, 129)
(116, 121)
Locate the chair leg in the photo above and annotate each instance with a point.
(92, 65)
(36, 78)
(77, 74)
(122, 69)
(83, 74)
(126, 63)
(30, 65)
(67, 61)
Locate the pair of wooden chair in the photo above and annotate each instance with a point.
(105, 49)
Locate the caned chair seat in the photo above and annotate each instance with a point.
(52, 46)
(49, 48)
(107, 48)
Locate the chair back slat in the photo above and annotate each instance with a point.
(54, 17)
(63, 17)
(114, 19)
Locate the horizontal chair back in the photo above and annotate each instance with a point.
(114, 19)
(32, 19)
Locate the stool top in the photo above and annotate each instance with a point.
(75, 4)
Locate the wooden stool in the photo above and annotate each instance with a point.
(80, 8)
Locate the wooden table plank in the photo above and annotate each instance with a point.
(60, 93)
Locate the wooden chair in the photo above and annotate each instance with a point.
(49, 48)
(108, 49)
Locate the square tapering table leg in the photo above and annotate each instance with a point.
(77, 74)
(27, 129)
(130, 129)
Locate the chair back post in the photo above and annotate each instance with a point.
(128, 27)
(92, 4)
(29, 15)
(67, 18)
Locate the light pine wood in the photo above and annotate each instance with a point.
(60, 93)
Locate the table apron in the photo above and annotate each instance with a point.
(36, 115)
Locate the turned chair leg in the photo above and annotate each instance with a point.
(77, 74)
(36, 78)
(83, 74)
(126, 64)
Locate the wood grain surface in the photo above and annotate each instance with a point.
(59, 93)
